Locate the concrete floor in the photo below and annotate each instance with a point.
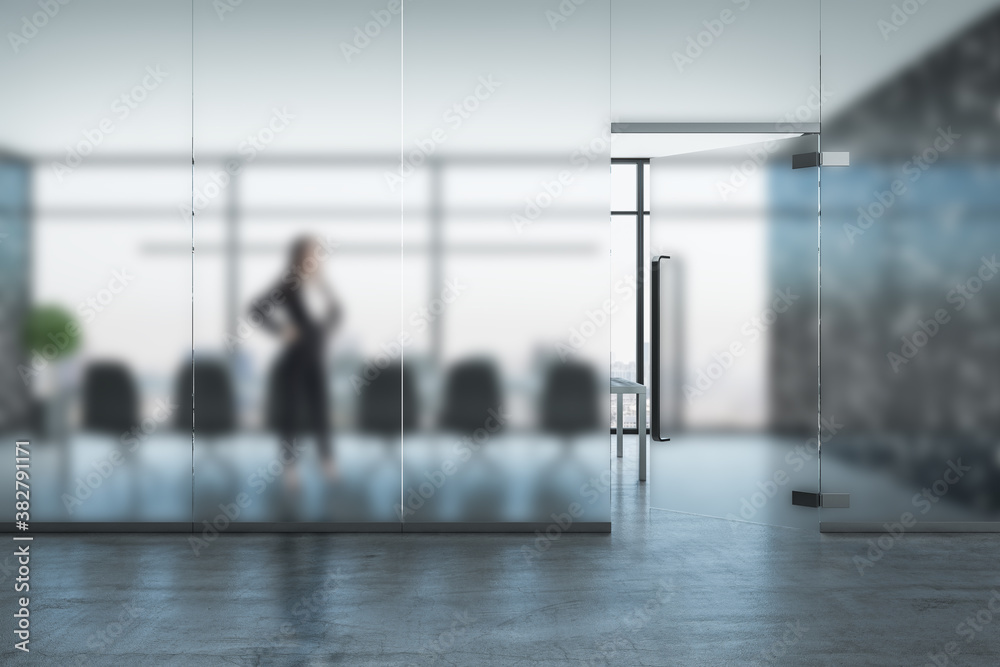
(663, 589)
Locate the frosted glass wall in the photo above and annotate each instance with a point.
(714, 61)
(297, 264)
(354, 329)
(506, 285)
(95, 134)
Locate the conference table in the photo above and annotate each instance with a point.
(621, 387)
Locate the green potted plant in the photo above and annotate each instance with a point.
(50, 337)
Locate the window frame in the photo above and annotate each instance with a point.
(640, 212)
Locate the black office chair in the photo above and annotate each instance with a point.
(110, 398)
(387, 404)
(472, 391)
(111, 408)
(214, 416)
(569, 407)
(472, 399)
(571, 399)
(214, 398)
(380, 416)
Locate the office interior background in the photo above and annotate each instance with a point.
(767, 222)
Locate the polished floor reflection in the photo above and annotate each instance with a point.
(664, 588)
(750, 477)
(248, 477)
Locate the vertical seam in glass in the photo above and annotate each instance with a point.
(192, 266)
(819, 274)
(402, 264)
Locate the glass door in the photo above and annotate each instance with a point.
(911, 297)
(734, 233)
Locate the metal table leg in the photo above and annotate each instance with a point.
(621, 422)
(641, 399)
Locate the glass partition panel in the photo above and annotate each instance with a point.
(910, 302)
(506, 288)
(736, 387)
(95, 141)
(297, 369)
(713, 60)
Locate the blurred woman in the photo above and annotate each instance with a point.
(303, 310)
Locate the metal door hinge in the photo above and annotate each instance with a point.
(827, 500)
(825, 159)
